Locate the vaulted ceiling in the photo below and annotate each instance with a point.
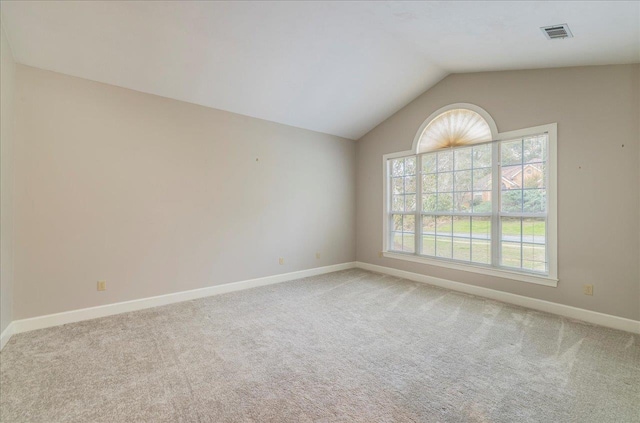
(334, 67)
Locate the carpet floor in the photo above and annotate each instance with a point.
(350, 346)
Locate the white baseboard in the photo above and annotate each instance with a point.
(6, 335)
(41, 322)
(594, 317)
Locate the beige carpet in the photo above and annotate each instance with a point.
(351, 346)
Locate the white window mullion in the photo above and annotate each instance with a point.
(495, 204)
(418, 228)
(387, 221)
(390, 231)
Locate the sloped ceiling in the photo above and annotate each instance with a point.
(334, 67)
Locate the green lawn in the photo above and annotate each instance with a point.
(509, 227)
(481, 226)
(513, 254)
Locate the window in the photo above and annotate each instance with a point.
(470, 198)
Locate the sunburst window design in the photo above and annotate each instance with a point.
(454, 128)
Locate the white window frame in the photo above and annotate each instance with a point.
(551, 279)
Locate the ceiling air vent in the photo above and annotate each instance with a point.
(556, 32)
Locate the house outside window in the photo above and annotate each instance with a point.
(470, 198)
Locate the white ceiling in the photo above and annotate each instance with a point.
(334, 67)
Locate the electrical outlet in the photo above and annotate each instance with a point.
(588, 289)
(317, 255)
(281, 260)
(102, 285)
(380, 254)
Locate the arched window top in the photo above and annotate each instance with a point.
(455, 126)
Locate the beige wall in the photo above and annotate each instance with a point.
(597, 110)
(7, 85)
(157, 196)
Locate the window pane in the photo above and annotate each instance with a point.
(523, 243)
(511, 152)
(462, 226)
(482, 202)
(534, 200)
(462, 180)
(408, 223)
(511, 229)
(410, 184)
(443, 247)
(397, 167)
(534, 230)
(443, 225)
(429, 183)
(429, 163)
(481, 251)
(397, 186)
(445, 161)
(429, 245)
(481, 227)
(429, 202)
(482, 156)
(428, 225)
(410, 202)
(445, 182)
(408, 243)
(462, 158)
(445, 202)
(512, 201)
(397, 203)
(462, 201)
(534, 149)
(482, 180)
(462, 230)
(396, 241)
(535, 266)
(410, 166)
(534, 257)
(462, 249)
(397, 222)
(510, 254)
(511, 177)
(533, 175)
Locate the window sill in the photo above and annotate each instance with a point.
(500, 273)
